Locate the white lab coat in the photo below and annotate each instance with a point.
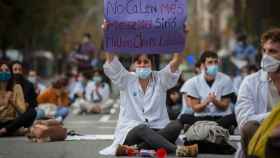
(136, 107)
(252, 98)
(198, 88)
(76, 88)
(252, 101)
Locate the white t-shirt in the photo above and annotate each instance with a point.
(198, 88)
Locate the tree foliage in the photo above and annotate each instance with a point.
(35, 24)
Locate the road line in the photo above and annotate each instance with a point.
(105, 118)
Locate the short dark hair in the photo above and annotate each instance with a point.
(5, 62)
(241, 37)
(197, 64)
(88, 35)
(207, 54)
(16, 62)
(150, 57)
(272, 34)
(60, 82)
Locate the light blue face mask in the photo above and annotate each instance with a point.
(143, 73)
(97, 79)
(5, 76)
(212, 70)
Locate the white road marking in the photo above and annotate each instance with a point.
(105, 118)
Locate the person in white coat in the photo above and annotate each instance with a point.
(260, 91)
(143, 118)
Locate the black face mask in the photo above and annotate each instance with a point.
(18, 78)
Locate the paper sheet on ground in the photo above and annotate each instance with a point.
(90, 137)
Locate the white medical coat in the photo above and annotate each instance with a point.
(137, 107)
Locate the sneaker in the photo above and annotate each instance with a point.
(125, 150)
(187, 151)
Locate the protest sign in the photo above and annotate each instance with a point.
(144, 26)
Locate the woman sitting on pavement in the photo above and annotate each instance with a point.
(54, 102)
(14, 117)
(143, 118)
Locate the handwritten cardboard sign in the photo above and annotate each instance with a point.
(145, 26)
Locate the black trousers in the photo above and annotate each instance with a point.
(227, 122)
(23, 120)
(147, 138)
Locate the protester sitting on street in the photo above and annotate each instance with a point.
(79, 87)
(54, 102)
(174, 100)
(143, 117)
(209, 95)
(266, 137)
(98, 92)
(259, 92)
(34, 79)
(14, 117)
(28, 88)
(97, 96)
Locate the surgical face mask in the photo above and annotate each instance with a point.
(97, 79)
(270, 64)
(143, 73)
(5, 76)
(212, 70)
(32, 79)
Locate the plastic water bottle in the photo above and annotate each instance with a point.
(147, 153)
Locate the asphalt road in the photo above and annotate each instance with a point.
(19, 147)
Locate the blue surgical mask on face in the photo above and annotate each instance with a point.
(143, 73)
(97, 79)
(5, 76)
(212, 70)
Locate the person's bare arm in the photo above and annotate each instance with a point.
(196, 104)
(222, 104)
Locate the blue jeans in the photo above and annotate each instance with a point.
(62, 112)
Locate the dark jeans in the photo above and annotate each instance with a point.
(147, 138)
(174, 111)
(23, 120)
(227, 122)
